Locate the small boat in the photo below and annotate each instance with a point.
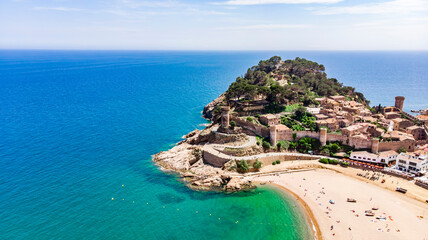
(351, 200)
(331, 201)
(402, 190)
(375, 208)
(370, 214)
(381, 217)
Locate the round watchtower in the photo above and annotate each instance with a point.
(225, 118)
(272, 135)
(375, 145)
(399, 102)
(323, 136)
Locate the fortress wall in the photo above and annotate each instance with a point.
(302, 134)
(265, 132)
(332, 137)
(288, 135)
(359, 143)
(284, 136)
(257, 129)
(408, 145)
(216, 160)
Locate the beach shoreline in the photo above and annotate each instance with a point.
(305, 209)
(344, 220)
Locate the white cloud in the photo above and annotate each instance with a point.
(396, 6)
(266, 26)
(261, 2)
(63, 9)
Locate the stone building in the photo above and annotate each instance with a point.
(401, 124)
(418, 132)
(270, 120)
(330, 123)
(351, 130)
(338, 98)
(392, 115)
(375, 131)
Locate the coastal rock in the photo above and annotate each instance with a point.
(192, 133)
(238, 184)
(208, 109)
(177, 158)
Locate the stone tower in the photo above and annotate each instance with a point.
(225, 117)
(272, 136)
(323, 136)
(399, 102)
(375, 145)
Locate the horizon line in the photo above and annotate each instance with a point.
(215, 50)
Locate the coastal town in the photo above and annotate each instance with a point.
(273, 137)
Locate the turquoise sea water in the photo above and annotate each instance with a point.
(77, 125)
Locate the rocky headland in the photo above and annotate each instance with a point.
(186, 159)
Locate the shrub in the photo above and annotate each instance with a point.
(274, 163)
(250, 119)
(323, 160)
(283, 144)
(242, 166)
(232, 124)
(266, 145)
(344, 164)
(401, 150)
(333, 161)
(278, 161)
(257, 164)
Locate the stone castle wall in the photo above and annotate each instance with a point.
(357, 143)
(333, 137)
(257, 129)
(215, 158)
(408, 145)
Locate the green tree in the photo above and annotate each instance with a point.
(242, 166)
(257, 164)
(299, 113)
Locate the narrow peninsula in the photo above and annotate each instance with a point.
(287, 124)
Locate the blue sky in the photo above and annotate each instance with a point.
(214, 24)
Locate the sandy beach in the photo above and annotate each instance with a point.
(400, 215)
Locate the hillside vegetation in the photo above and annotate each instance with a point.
(287, 82)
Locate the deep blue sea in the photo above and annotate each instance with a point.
(78, 128)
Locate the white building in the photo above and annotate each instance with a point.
(414, 162)
(383, 157)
